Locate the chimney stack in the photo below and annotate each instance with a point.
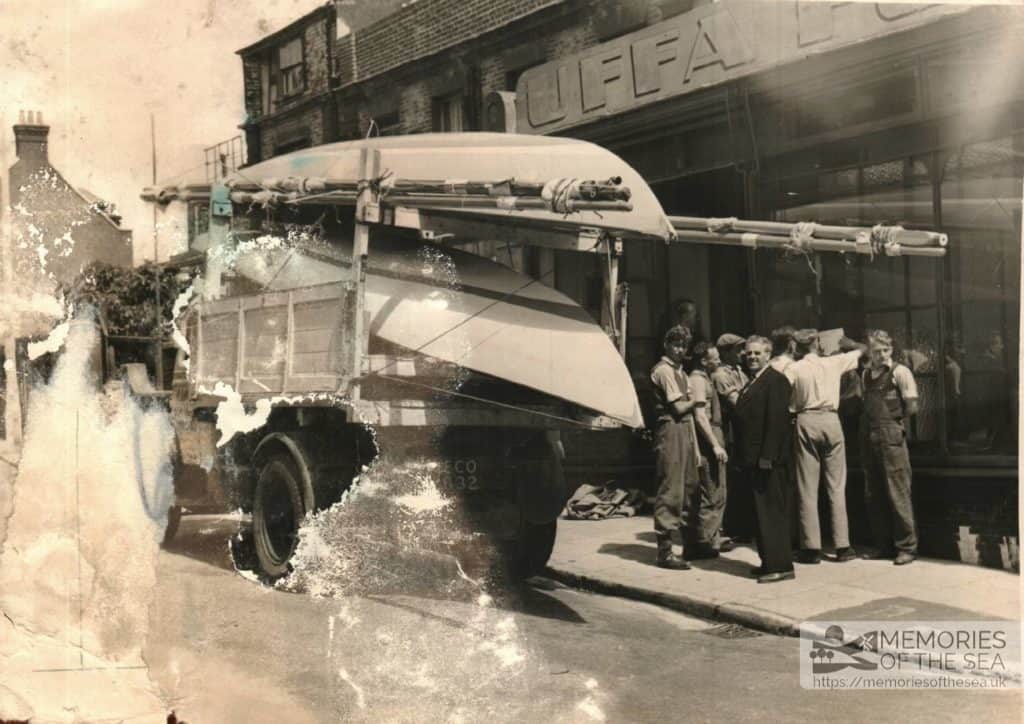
(30, 136)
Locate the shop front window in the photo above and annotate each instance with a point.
(857, 293)
(981, 212)
(955, 320)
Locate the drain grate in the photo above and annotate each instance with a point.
(732, 631)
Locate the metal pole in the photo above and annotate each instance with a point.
(159, 362)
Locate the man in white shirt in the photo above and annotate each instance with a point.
(820, 445)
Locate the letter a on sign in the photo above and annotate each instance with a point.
(718, 42)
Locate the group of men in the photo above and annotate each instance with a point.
(746, 427)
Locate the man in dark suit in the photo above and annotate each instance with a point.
(763, 450)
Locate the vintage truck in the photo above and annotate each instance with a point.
(351, 291)
(339, 291)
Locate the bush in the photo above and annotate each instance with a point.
(125, 297)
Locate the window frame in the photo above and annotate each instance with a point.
(281, 72)
(441, 115)
(946, 293)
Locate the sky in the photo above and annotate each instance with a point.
(97, 70)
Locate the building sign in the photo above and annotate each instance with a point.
(709, 45)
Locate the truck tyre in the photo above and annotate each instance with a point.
(536, 542)
(277, 513)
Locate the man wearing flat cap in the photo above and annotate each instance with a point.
(820, 446)
(729, 380)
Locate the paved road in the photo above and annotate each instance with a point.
(227, 649)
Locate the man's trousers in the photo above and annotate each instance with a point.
(678, 488)
(887, 481)
(820, 447)
(771, 503)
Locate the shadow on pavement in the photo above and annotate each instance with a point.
(646, 554)
(206, 539)
(522, 598)
(724, 564)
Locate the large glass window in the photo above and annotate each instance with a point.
(954, 321)
(981, 212)
(858, 293)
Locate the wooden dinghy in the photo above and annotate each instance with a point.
(440, 302)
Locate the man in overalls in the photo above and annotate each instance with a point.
(890, 397)
(678, 495)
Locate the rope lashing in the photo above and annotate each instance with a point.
(379, 185)
(559, 193)
(801, 235)
(720, 225)
(265, 199)
(883, 239)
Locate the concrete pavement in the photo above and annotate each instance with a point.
(616, 556)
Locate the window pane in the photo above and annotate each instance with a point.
(290, 53)
(291, 80)
(883, 283)
(921, 356)
(923, 275)
(981, 212)
(787, 290)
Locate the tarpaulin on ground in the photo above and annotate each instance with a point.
(597, 502)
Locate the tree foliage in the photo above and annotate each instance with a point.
(125, 298)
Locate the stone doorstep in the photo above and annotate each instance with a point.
(727, 612)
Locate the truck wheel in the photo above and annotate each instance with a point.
(536, 541)
(277, 512)
(173, 523)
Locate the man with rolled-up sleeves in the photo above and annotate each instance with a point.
(820, 445)
(677, 500)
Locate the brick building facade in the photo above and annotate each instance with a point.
(848, 113)
(57, 228)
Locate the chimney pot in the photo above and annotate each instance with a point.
(30, 137)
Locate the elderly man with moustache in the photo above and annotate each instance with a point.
(820, 446)
(763, 449)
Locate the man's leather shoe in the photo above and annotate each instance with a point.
(673, 563)
(904, 558)
(776, 577)
(757, 571)
(808, 556)
(700, 553)
(845, 554)
(726, 545)
(883, 555)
